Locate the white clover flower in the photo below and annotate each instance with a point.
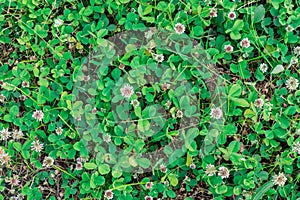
(179, 114)
(17, 134)
(94, 110)
(58, 22)
(126, 91)
(2, 98)
(223, 172)
(13, 198)
(5, 159)
(296, 147)
(37, 146)
(292, 83)
(210, 170)
(149, 185)
(228, 48)
(213, 12)
(23, 97)
(48, 162)
(2, 153)
(78, 118)
(25, 84)
(165, 86)
(216, 113)
(245, 43)
(263, 67)
(259, 103)
(5, 134)
(148, 198)
(192, 166)
(163, 168)
(38, 115)
(14, 180)
(135, 103)
(79, 166)
(179, 28)
(159, 57)
(231, 15)
(289, 28)
(294, 60)
(297, 50)
(86, 78)
(59, 130)
(107, 138)
(121, 66)
(108, 194)
(279, 179)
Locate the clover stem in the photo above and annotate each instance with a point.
(64, 171)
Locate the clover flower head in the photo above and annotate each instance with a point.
(179, 28)
(148, 198)
(179, 114)
(216, 113)
(297, 50)
(5, 134)
(163, 168)
(296, 147)
(17, 134)
(149, 185)
(292, 83)
(37, 146)
(14, 180)
(213, 12)
(25, 84)
(126, 91)
(159, 57)
(108, 194)
(210, 170)
(223, 172)
(259, 103)
(228, 48)
(2, 98)
(78, 166)
(289, 28)
(48, 161)
(59, 130)
(107, 138)
(192, 166)
(38, 115)
(263, 67)
(279, 179)
(231, 15)
(245, 43)
(135, 103)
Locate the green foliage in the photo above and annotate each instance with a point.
(89, 139)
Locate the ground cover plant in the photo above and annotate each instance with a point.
(149, 99)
